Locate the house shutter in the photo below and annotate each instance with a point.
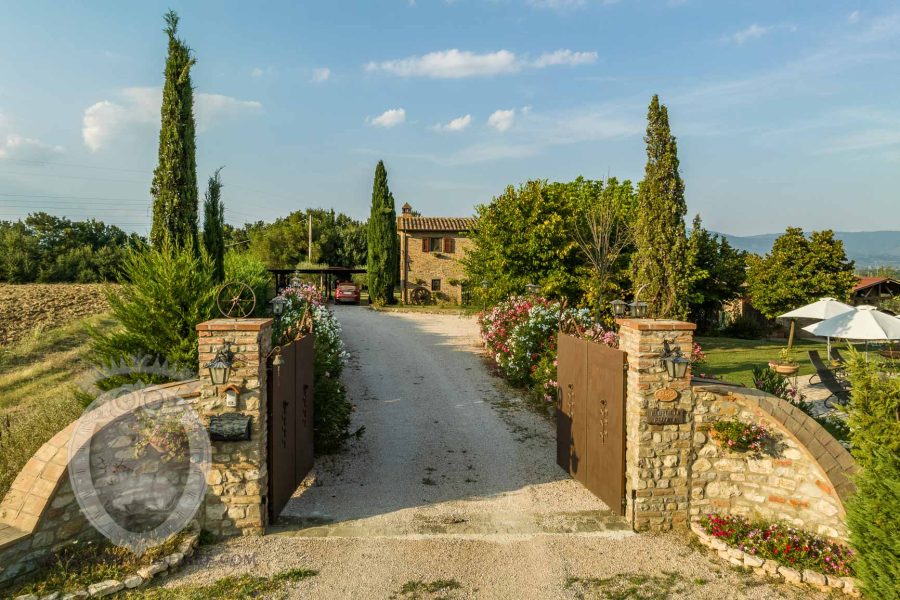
(448, 245)
(426, 244)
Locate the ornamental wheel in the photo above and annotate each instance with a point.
(420, 295)
(236, 300)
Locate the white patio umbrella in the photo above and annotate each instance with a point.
(866, 323)
(821, 309)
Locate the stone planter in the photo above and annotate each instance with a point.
(770, 568)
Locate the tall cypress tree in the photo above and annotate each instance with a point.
(661, 261)
(384, 246)
(214, 226)
(174, 187)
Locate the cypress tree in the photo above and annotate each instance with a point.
(214, 226)
(384, 246)
(661, 261)
(174, 187)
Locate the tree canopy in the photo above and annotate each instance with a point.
(661, 259)
(799, 270)
(214, 226)
(174, 187)
(383, 244)
(719, 273)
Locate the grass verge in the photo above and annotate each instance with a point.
(228, 588)
(38, 377)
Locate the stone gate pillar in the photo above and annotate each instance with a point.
(658, 425)
(238, 476)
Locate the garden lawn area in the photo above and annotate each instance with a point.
(733, 359)
(38, 378)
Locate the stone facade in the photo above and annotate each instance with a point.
(238, 477)
(657, 457)
(676, 472)
(431, 249)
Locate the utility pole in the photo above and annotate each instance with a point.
(309, 246)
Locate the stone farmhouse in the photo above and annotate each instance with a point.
(430, 253)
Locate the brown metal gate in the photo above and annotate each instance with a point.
(590, 417)
(290, 421)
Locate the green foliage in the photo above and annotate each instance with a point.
(799, 270)
(174, 187)
(662, 258)
(745, 327)
(873, 513)
(169, 291)
(718, 276)
(383, 243)
(246, 268)
(51, 249)
(338, 240)
(873, 516)
(214, 226)
(525, 236)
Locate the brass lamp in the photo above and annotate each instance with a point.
(676, 364)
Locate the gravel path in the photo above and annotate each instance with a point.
(455, 479)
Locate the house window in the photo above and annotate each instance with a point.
(435, 285)
(435, 244)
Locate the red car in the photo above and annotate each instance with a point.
(346, 291)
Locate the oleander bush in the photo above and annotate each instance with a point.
(305, 308)
(521, 335)
(786, 545)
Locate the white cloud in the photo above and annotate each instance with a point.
(389, 118)
(457, 124)
(137, 110)
(321, 74)
(18, 147)
(753, 32)
(456, 64)
(853, 17)
(262, 71)
(564, 57)
(502, 120)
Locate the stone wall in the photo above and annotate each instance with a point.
(425, 266)
(804, 479)
(675, 472)
(238, 477)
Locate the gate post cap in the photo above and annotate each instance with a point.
(656, 324)
(235, 324)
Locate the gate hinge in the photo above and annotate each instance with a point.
(625, 367)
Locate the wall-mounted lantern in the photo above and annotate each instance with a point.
(220, 366)
(676, 364)
(619, 308)
(278, 304)
(638, 309)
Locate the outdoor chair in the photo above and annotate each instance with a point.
(836, 355)
(827, 377)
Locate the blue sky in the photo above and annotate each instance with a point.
(786, 113)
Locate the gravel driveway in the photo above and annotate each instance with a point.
(455, 479)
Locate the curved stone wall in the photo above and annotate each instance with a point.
(805, 482)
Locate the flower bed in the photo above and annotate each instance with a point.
(304, 310)
(785, 545)
(521, 335)
(737, 436)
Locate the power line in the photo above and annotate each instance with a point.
(21, 174)
(51, 197)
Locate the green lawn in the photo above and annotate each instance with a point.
(733, 359)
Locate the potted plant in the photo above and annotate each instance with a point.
(785, 365)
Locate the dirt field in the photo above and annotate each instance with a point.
(25, 308)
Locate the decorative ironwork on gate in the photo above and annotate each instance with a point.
(591, 417)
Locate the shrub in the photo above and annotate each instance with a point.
(245, 268)
(745, 328)
(873, 512)
(169, 291)
(521, 335)
(794, 548)
(332, 409)
(737, 436)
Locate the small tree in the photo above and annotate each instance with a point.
(718, 276)
(174, 187)
(799, 270)
(214, 226)
(661, 260)
(383, 243)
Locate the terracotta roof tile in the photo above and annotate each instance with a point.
(435, 223)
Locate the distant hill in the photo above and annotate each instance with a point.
(867, 248)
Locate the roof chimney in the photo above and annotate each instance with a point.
(406, 208)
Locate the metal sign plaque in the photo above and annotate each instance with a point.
(667, 416)
(666, 394)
